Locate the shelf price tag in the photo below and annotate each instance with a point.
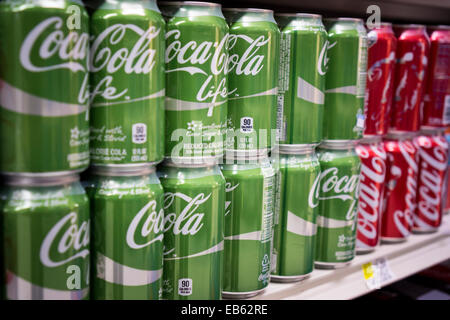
(377, 273)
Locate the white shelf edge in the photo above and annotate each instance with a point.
(419, 252)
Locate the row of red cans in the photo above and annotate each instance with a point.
(402, 187)
(408, 76)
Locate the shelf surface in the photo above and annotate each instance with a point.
(419, 252)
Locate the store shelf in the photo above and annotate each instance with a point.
(404, 259)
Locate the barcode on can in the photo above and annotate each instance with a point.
(447, 110)
(185, 287)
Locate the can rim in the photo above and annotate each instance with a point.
(191, 162)
(441, 27)
(401, 135)
(432, 130)
(123, 170)
(410, 26)
(296, 148)
(190, 3)
(371, 139)
(256, 10)
(345, 19)
(338, 144)
(299, 15)
(41, 181)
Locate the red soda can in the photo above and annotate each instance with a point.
(371, 190)
(380, 79)
(436, 112)
(433, 156)
(413, 46)
(400, 187)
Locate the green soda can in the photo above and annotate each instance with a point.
(44, 87)
(196, 96)
(194, 202)
(346, 79)
(128, 228)
(303, 58)
(127, 83)
(336, 195)
(252, 78)
(46, 230)
(295, 215)
(248, 225)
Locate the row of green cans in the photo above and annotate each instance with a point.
(198, 233)
(185, 88)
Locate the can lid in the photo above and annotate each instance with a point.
(255, 10)
(299, 15)
(246, 154)
(437, 131)
(189, 3)
(371, 139)
(191, 162)
(401, 135)
(123, 170)
(442, 27)
(338, 144)
(296, 148)
(409, 26)
(40, 181)
(357, 20)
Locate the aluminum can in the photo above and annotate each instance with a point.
(196, 81)
(128, 229)
(400, 187)
(46, 235)
(371, 192)
(345, 83)
(301, 85)
(336, 194)
(436, 112)
(380, 79)
(44, 87)
(252, 79)
(296, 211)
(413, 47)
(433, 156)
(194, 208)
(127, 83)
(248, 225)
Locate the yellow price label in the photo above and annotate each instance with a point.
(368, 270)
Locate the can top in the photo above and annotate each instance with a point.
(248, 15)
(123, 170)
(371, 139)
(401, 135)
(409, 26)
(442, 27)
(190, 9)
(296, 148)
(246, 154)
(338, 144)
(41, 181)
(345, 19)
(190, 163)
(300, 15)
(131, 6)
(437, 131)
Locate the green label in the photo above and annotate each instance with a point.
(46, 246)
(335, 194)
(193, 238)
(295, 219)
(196, 97)
(252, 84)
(303, 59)
(128, 87)
(128, 225)
(43, 89)
(248, 236)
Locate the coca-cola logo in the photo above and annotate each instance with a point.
(370, 196)
(188, 221)
(249, 63)
(64, 236)
(68, 48)
(330, 185)
(322, 63)
(153, 222)
(433, 163)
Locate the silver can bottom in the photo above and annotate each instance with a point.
(52, 174)
(365, 250)
(393, 240)
(241, 295)
(425, 231)
(331, 265)
(287, 279)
